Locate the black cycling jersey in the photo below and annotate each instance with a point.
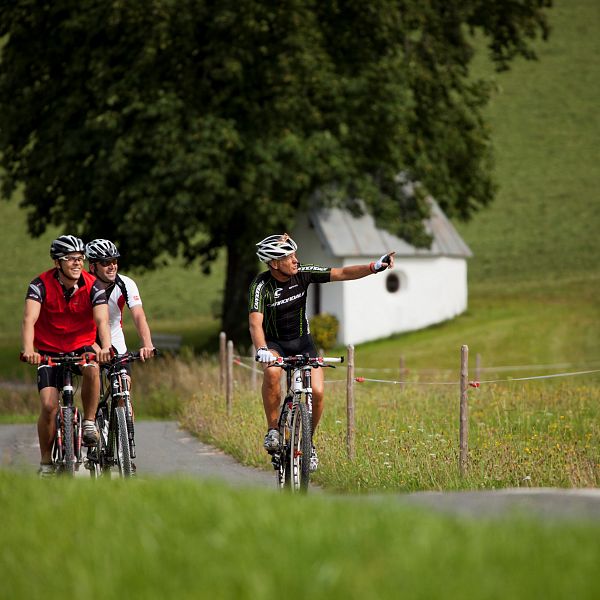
(283, 304)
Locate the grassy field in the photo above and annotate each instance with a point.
(534, 285)
(545, 126)
(183, 539)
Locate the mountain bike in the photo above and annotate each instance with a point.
(292, 459)
(66, 446)
(114, 420)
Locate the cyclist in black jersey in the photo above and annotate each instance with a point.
(278, 323)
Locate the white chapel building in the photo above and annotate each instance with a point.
(426, 285)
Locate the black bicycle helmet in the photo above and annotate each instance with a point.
(66, 244)
(101, 250)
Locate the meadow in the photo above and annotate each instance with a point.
(539, 433)
(178, 538)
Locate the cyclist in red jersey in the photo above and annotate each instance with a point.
(278, 323)
(64, 308)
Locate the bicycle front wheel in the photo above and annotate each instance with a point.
(283, 465)
(122, 442)
(97, 454)
(300, 448)
(69, 451)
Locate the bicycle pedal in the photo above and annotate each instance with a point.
(276, 460)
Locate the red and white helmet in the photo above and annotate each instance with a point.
(275, 247)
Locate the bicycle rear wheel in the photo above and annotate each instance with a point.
(300, 448)
(122, 443)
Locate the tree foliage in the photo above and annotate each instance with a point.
(185, 126)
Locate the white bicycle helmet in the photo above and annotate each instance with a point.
(65, 244)
(275, 247)
(101, 250)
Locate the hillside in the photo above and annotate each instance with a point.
(535, 277)
(546, 125)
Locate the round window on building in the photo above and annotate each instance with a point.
(392, 283)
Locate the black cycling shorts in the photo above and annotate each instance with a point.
(49, 376)
(301, 345)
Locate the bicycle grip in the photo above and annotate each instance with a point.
(336, 359)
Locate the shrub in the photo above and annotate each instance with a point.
(324, 329)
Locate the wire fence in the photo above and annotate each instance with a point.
(463, 383)
(475, 383)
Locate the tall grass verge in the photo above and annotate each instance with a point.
(536, 433)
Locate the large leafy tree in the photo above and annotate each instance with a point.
(186, 126)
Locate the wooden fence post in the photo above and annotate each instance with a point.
(222, 359)
(350, 404)
(254, 369)
(229, 393)
(464, 409)
(402, 371)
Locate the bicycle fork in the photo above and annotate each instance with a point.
(121, 384)
(67, 393)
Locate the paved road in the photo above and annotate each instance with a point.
(164, 449)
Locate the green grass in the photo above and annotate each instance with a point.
(545, 126)
(541, 433)
(184, 539)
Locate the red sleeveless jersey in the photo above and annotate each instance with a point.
(64, 326)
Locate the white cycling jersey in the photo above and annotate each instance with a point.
(124, 291)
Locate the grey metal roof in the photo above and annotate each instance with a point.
(345, 235)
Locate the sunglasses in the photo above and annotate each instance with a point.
(73, 259)
(108, 262)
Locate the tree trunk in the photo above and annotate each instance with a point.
(242, 266)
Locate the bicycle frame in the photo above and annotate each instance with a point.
(60, 447)
(115, 419)
(119, 389)
(292, 460)
(66, 446)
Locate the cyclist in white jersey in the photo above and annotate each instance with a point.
(120, 290)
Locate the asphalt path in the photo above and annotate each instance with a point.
(163, 449)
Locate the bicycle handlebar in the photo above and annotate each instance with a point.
(302, 360)
(127, 357)
(64, 359)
